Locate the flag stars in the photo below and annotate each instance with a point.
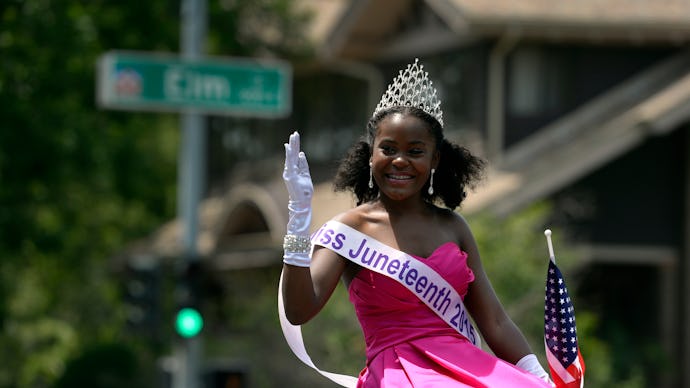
(559, 328)
(559, 323)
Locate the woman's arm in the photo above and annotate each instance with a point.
(309, 277)
(499, 331)
(307, 289)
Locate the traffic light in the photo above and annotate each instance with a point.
(188, 317)
(188, 322)
(141, 293)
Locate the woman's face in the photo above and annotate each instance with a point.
(403, 154)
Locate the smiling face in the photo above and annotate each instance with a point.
(404, 152)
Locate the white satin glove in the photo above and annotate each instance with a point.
(531, 364)
(297, 246)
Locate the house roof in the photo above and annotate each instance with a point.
(221, 241)
(653, 103)
(365, 28)
(667, 14)
(633, 20)
(324, 15)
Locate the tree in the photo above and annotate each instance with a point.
(107, 365)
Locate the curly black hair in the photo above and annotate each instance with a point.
(457, 170)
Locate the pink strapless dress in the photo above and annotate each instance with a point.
(408, 345)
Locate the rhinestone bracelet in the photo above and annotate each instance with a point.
(296, 244)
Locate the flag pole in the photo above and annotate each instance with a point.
(563, 355)
(547, 233)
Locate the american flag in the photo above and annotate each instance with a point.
(560, 334)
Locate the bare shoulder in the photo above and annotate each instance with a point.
(456, 223)
(355, 217)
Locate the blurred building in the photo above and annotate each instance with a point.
(585, 104)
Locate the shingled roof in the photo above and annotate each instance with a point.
(600, 19)
(360, 28)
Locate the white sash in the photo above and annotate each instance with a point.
(420, 279)
(293, 336)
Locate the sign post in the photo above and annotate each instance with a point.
(190, 177)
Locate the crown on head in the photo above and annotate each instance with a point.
(412, 87)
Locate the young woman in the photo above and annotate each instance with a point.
(400, 240)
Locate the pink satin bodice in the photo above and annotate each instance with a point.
(390, 314)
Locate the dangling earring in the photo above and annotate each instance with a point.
(431, 182)
(371, 177)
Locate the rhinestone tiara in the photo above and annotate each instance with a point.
(412, 87)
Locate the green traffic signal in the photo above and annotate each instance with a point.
(188, 322)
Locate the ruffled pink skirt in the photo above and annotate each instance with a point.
(442, 362)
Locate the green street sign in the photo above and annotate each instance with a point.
(212, 85)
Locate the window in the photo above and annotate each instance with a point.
(536, 82)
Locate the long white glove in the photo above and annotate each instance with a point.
(531, 364)
(297, 246)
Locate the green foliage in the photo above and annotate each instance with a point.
(108, 365)
(245, 330)
(76, 183)
(341, 347)
(258, 28)
(515, 257)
